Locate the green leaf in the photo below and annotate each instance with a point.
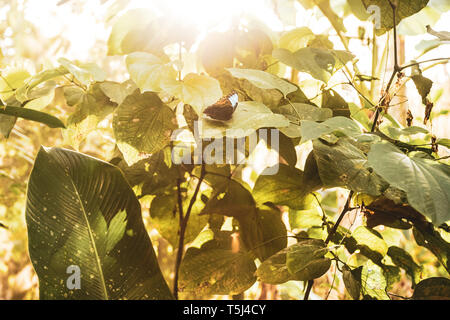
(24, 93)
(142, 124)
(306, 261)
(297, 112)
(441, 35)
(248, 117)
(263, 80)
(437, 288)
(12, 79)
(295, 39)
(274, 233)
(149, 71)
(352, 281)
(404, 260)
(310, 130)
(287, 187)
(426, 182)
(81, 212)
(92, 107)
(433, 241)
(318, 62)
(332, 100)
(165, 218)
(371, 239)
(199, 91)
(373, 281)
(33, 115)
(131, 21)
(85, 73)
(405, 8)
(310, 215)
(117, 92)
(345, 165)
(274, 269)
(216, 271)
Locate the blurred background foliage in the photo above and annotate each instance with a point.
(35, 34)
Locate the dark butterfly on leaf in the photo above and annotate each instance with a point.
(223, 109)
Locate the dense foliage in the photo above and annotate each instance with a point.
(235, 224)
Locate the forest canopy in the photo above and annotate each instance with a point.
(276, 149)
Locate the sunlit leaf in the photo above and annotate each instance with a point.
(320, 63)
(199, 91)
(373, 281)
(296, 112)
(148, 70)
(371, 239)
(263, 80)
(128, 22)
(85, 73)
(287, 187)
(248, 117)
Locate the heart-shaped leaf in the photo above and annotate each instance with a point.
(426, 182)
(142, 124)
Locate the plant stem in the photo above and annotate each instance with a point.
(330, 235)
(396, 70)
(183, 225)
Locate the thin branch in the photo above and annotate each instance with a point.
(330, 235)
(420, 62)
(183, 225)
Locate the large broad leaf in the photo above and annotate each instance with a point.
(426, 182)
(437, 288)
(287, 187)
(263, 80)
(297, 112)
(199, 91)
(148, 70)
(248, 117)
(344, 165)
(318, 62)
(81, 213)
(405, 8)
(142, 124)
(216, 271)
